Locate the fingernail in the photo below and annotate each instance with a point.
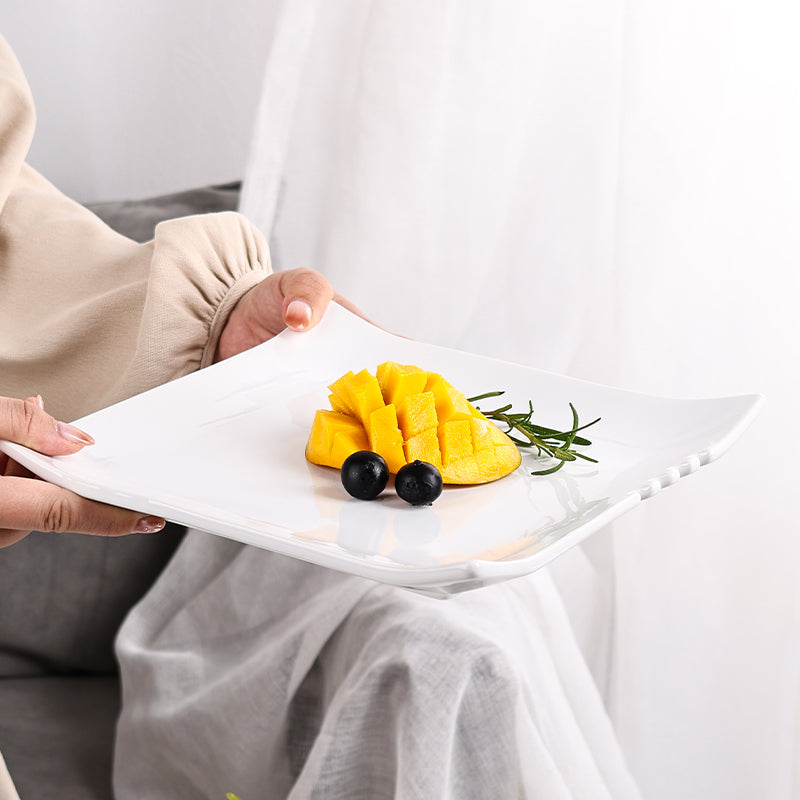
(149, 525)
(300, 313)
(39, 401)
(73, 434)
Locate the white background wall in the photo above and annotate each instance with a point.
(141, 98)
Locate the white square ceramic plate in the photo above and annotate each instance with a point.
(222, 450)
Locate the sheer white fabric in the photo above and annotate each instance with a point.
(609, 190)
(250, 672)
(431, 163)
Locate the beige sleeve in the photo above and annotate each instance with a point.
(89, 317)
(7, 789)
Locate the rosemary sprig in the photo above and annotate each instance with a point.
(559, 445)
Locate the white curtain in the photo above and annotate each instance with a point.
(611, 191)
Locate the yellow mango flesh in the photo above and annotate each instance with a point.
(398, 381)
(405, 413)
(424, 446)
(385, 437)
(359, 393)
(417, 413)
(450, 403)
(330, 433)
(455, 441)
(346, 443)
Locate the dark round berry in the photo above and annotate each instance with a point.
(364, 475)
(418, 483)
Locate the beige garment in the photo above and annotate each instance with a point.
(89, 317)
(7, 790)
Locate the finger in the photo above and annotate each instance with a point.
(306, 295)
(26, 422)
(27, 505)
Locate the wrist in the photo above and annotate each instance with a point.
(242, 330)
(223, 338)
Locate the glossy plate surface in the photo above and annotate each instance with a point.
(222, 450)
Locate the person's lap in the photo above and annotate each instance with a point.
(255, 673)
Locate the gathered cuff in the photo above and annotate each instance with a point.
(223, 312)
(202, 265)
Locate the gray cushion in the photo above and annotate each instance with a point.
(137, 219)
(56, 735)
(64, 596)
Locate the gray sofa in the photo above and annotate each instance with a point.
(62, 599)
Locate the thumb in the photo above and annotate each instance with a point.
(27, 423)
(306, 295)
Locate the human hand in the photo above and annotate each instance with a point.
(295, 298)
(27, 503)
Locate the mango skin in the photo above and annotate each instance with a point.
(404, 413)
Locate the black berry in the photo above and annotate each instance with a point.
(418, 483)
(364, 475)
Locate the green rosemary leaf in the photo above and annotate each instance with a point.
(557, 444)
(485, 395)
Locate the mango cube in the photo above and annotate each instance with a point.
(400, 380)
(481, 433)
(385, 437)
(338, 404)
(339, 397)
(424, 446)
(324, 429)
(464, 471)
(417, 413)
(450, 403)
(455, 440)
(347, 442)
(363, 394)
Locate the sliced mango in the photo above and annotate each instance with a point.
(450, 403)
(481, 430)
(416, 413)
(326, 427)
(337, 404)
(340, 397)
(405, 413)
(455, 440)
(492, 462)
(465, 471)
(360, 393)
(385, 438)
(398, 381)
(347, 442)
(424, 446)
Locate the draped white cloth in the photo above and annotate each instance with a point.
(609, 190)
(251, 672)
